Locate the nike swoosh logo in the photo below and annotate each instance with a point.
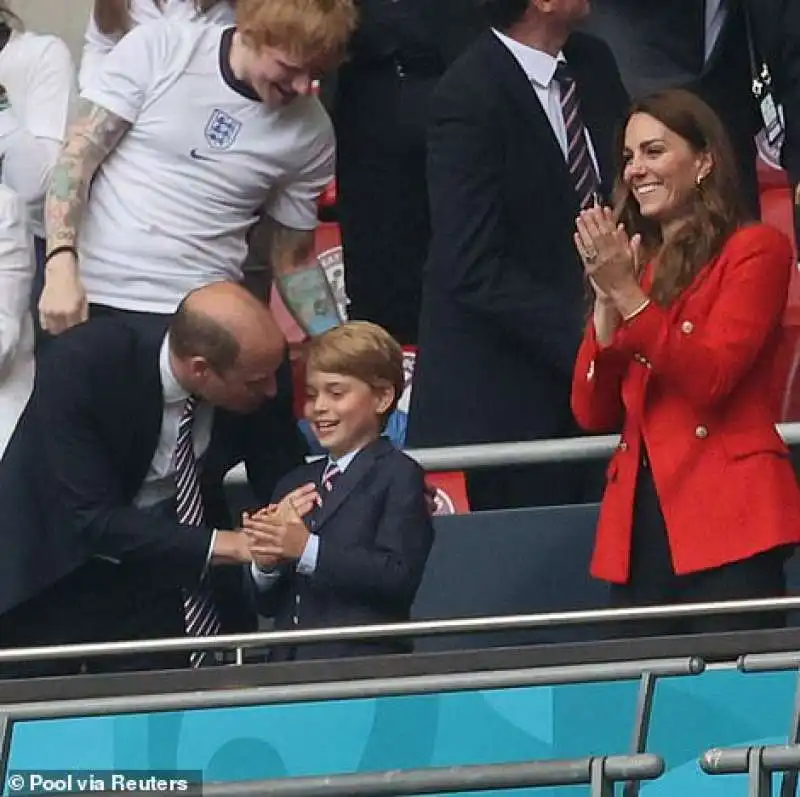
(198, 157)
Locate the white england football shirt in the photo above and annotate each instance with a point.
(170, 208)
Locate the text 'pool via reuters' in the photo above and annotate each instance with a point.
(29, 782)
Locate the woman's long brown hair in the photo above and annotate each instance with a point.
(113, 17)
(716, 208)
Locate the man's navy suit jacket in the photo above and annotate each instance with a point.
(79, 457)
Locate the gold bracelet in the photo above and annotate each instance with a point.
(643, 306)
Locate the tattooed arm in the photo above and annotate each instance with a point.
(92, 137)
(300, 278)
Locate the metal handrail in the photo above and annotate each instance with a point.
(769, 662)
(759, 763)
(529, 452)
(233, 694)
(521, 622)
(600, 773)
(734, 760)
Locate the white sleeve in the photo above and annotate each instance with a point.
(28, 163)
(127, 73)
(16, 273)
(294, 204)
(50, 99)
(30, 140)
(96, 46)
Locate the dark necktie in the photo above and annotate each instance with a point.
(579, 161)
(201, 613)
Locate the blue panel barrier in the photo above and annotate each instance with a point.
(720, 708)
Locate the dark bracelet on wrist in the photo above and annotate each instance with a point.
(58, 250)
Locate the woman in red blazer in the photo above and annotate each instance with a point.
(685, 352)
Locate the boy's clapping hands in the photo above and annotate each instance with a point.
(277, 532)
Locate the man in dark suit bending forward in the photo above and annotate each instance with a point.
(104, 535)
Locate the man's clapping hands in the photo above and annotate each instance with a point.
(277, 532)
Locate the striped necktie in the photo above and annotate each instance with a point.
(329, 475)
(201, 613)
(579, 161)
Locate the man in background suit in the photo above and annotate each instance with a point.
(515, 148)
(104, 536)
(380, 108)
(776, 30)
(700, 45)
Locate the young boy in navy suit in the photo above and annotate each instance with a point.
(347, 538)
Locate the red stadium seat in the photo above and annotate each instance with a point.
(777, 209)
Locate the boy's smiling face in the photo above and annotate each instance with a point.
(345, 413)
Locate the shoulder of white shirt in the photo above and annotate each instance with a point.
(144, 11)
(27, 47)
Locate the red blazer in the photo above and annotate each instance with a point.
(700, 382)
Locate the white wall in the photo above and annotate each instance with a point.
(65, 18)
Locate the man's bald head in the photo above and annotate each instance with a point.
(220, 322)
(226, 346)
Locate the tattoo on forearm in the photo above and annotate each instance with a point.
(289, 249)
(91, 138)
(301, 279)
(308, 296)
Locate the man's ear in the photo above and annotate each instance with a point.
(198, 367)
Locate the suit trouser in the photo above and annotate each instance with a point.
(546, 484)
(38, 284)
(796, 195)
(556, 483)
(382, 200)
(98, 602)
(653, 579)
(150, 324)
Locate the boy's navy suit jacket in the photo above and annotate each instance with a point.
(375, 534)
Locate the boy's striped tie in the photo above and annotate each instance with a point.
(330, 474)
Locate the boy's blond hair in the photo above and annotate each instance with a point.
(313, 31)
(363, 351)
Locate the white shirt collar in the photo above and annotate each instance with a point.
(540, 67)
(343, 463)
(173, 391)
